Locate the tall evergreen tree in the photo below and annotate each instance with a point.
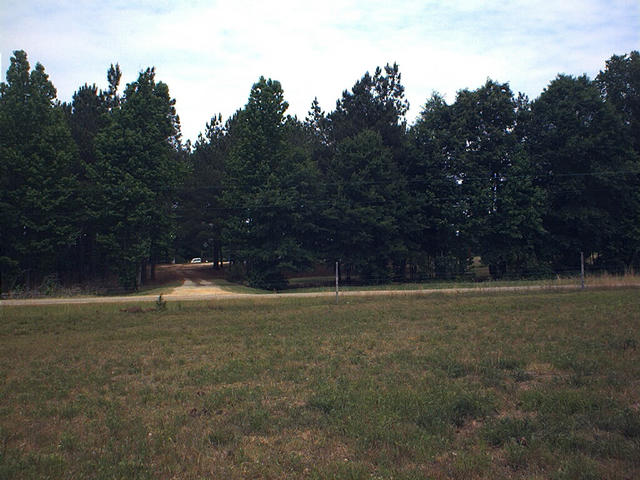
(87, 110)
(137, 171)
(376, 102)
(38, 161)
(368, 125)
(316, 126)
(362, 216)
(200, 208)
(111, 97)
(87, 114)
(268, 191)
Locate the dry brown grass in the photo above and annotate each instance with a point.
(629, 279)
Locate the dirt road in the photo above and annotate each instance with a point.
(195, 293)
(197, 280)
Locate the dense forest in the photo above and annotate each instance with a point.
(104, 187)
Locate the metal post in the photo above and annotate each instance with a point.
(582, 270)
(336, 283)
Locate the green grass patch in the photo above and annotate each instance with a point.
(513, 385)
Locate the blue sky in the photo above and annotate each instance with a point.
(210, 53)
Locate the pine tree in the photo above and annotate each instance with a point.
(136, 174)
(268, 191)
(38, 221)
(361, 218)
(368, 125)
(201, 214)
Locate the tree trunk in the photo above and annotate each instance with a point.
(138, 277)
(143, 273)
(216, 256)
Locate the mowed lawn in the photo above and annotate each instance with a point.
(529, 385)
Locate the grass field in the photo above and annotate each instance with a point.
(530, 385)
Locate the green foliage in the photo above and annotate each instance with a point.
(362, 216)
(472, 185)
(482, 150)
(86, 119)
(137, 171)
(376, 102)
(236, 273)
(366, 200)
(501, 218)
(103, 185)
(586, 169)
(269, 190)
(515, 241)
(89, 113)
(433, 213)
(200, 211)
(619, 85)
(38, 175)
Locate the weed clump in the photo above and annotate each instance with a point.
(161, 303)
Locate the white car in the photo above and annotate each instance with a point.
(196, 260)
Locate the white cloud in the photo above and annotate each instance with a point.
(210, 53)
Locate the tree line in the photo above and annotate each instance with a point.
(104, 186)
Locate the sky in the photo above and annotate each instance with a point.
(210, 53)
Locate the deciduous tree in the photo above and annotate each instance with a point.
(578, 143)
